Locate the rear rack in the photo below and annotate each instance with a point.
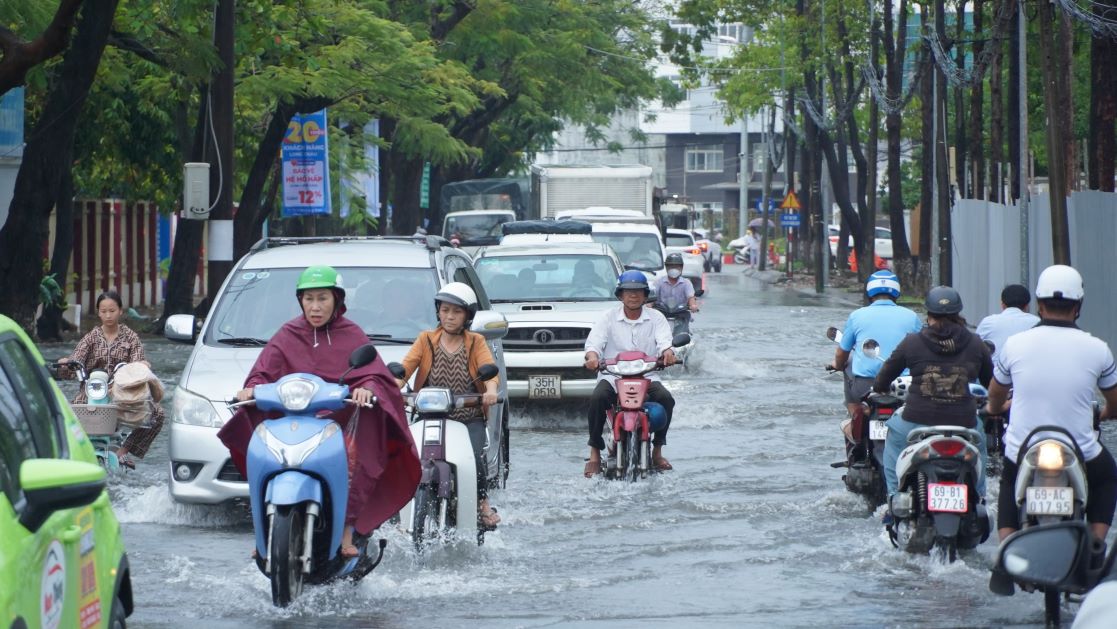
(432, 243)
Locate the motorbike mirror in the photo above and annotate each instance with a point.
(487, 372)
(397, 370)
(362, 356)
(680, 340)
(833, 334)
(871, 349)
(1044, 555)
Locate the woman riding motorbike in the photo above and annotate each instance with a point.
(106, 346)
(383, 464)
(449, 356)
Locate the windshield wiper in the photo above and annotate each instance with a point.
(388, 338)
(243, 341)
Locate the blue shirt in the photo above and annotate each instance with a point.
(677, 294)
(882, 321)
(998, 327)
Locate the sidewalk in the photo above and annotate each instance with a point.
(838, 289)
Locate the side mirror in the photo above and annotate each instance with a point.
(834, 334)
(1047, 555)
(487, 372)
(397, 370)
(871, 349)
(51, 485)
(180, 328)
(362, 356)
(490, 324)
(680, 340)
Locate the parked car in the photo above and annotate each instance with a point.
(882, 243)
(62, 558)
(390, 285)
(682, 242)
(552, 293)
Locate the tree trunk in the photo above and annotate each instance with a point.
(977, 98)
(961, 142)
(996, 115)
(895, 50)
(1012, 116)
(927, 160)
(407, 173)
(1056, 167)
(869, 222)
(941, 162)
(1103, 111)
(50, 324)
(46, 156)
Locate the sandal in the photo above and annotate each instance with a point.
(662, 465)
(593, 468)
(488, 521)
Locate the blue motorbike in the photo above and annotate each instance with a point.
(298, 483)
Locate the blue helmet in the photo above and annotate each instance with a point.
(657, 416)
(883, 283)
(630, 280)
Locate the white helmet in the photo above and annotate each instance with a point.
(900, 387)
(459, 294)
(1060, 281)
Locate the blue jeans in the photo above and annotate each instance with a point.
(897, 440)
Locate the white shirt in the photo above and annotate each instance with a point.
(1054, 371)
(614, 333)
(996, 328)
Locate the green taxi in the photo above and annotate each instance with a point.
(62, 560)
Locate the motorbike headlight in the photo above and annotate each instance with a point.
(293, 455)
(295, 395)
(97, 387)
(194, 410)
(629, 367)
(433, 400)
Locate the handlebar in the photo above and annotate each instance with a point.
(234, 403)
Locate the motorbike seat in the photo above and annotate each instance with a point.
(921, 433)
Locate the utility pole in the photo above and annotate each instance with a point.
(1022, 166)
(743, 178)
(219, 249)
(765, 194)
(824, 188)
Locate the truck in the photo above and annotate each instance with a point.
(555, 189)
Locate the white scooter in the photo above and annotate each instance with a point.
(445, 501)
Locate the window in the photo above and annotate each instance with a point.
(734, 32)
(22, 436)
(548, 277)
(759, 157)
(459, 270)
(38, 414)
(679, 240)
(705, 159)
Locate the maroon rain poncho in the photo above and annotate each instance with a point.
(386, 472)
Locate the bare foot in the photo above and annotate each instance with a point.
(347, 547)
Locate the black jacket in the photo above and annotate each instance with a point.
(943, 361)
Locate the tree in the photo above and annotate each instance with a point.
(18, 57)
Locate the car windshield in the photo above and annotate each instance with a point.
(476, 229)
(636, 251)
(679, 240)
(391, 303)
(545, 277)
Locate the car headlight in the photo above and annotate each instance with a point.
(194, 410)
(433, 400)
(293, 455)
(295, 394)
(629, 367)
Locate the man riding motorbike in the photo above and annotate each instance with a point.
(1013, 317)
(628, 327)
(383, 463)
(450, 356)
(883, 321)
(1053, 370)
(944, 358)
(674, 290)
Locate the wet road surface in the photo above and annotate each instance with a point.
(753, 528)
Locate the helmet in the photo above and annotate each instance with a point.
(943, 300)
(320, 276)
(883, 283)
(674, 259)
(657, 416)
(900, 387)
(1060, 281)
(459, 294)
(632, 280)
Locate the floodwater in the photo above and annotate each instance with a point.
(753, 528)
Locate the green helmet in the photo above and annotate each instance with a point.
(319, 276)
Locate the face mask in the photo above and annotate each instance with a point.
(674, 273)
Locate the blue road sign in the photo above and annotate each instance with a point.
(789, 220)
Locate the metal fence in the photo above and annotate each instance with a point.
(987, 254)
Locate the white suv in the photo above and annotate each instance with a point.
(552, 294)
(389, 291)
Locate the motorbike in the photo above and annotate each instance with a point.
(1052, 492)
(105, 423)
(679, 316)
(632, 420)
(446, 500)
(298, 484)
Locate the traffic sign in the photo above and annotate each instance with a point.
(789, 220)
(790, 202)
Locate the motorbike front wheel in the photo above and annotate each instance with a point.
(425, 522)
(286, 548)
(630, 467)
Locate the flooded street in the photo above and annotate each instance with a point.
(753, 528)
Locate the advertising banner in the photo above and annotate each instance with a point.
(306, 174)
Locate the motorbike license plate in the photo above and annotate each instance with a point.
(1050, 500)
(544, 387)
(878, 430)
(950, 497)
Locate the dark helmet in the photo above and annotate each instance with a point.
(943, 300)
(674, 259)
(632, 280)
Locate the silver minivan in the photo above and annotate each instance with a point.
(390, 285)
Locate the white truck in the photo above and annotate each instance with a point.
(556, 189)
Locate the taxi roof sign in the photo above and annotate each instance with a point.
(790, 202)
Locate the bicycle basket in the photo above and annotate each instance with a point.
(97, 419)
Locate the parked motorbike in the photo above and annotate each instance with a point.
(298, 484)
(107, 424)
(446, 500)
(632, 420)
